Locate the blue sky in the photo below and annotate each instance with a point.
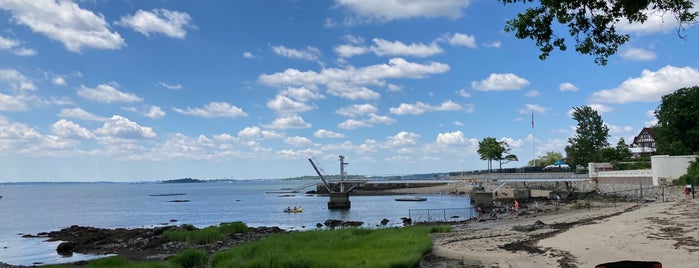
(151, 90)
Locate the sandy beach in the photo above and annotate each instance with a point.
(579, 237)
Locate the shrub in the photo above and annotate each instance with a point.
(190, 258)
(234, 228)
(207, 235)
(692, 175)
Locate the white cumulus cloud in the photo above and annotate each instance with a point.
(350, 124)
(214, 109)
(80, 114)
(155, 112)
(322, 133)
(289, 122)
(14, 46)
(459, 39)
(308, 53)
(298, 141)
(421, 108)
(70, 130)
(163, 21)
(650, 86)
(451, 138)
(351, 83)
(383, 47)
(638, 54)
(355, 110)
(122, 128)
(258, 133)
(393, 10)
(285, 105)
(498, 82)
(16, 80)
(567, 86)
(107, 94)
(65, 22)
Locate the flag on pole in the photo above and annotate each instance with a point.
(532, 119)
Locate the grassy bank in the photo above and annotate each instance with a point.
(208, 235)
(352, 247)
(348, 247)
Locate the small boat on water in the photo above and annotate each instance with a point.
(416, 198)
(293, 210)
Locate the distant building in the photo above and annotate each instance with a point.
(644, 143)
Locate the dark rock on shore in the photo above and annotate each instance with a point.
(330, 223)
(65, 249)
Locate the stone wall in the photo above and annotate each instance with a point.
(636, 191)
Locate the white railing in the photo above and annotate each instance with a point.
(623, 173)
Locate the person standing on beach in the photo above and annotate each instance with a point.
(558, 200)
(516, 205)
(536, 206)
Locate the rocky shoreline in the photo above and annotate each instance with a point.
(149, 244)
(137, 244)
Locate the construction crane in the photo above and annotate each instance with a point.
(338, 200)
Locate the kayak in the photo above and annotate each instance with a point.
(293, 210)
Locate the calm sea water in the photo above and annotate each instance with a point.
(34, 208)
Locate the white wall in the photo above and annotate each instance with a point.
(669, 167)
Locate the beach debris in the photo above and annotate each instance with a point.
(530, 227)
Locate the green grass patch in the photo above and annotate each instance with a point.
(120, 262)
(208, 235)
(349, 247)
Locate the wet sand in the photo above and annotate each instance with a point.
(569, 237)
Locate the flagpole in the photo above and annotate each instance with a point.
(533, 140)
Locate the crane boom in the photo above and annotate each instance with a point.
(320, 175)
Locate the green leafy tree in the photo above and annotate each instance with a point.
(490, 149)
(591, 23)
(548, 159)
(616, 154)
(622, 150)
(692, 176)
(590, 138)
(609, 154)
(506, 157)
(677, 132)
